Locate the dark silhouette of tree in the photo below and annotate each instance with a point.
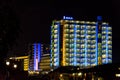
(9, 31)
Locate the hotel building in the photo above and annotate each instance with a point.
(44, 64)
(39, 57)
(34, 55)
(80, 43)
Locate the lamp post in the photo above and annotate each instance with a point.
(15, 66)
(8, 73)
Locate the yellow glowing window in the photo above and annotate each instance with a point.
(55, 26)
(55, 31)
(109, 42)
(55, 36)
(55, 50)
(71, 26)
(109, 28)
(109, 32)
(88, 27)
(103, 56)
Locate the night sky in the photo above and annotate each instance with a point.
(36, 17)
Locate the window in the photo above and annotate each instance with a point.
(55, 31)
(55, 26)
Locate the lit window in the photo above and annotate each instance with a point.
(55, 26)
(71, 30)
(109, 28)
(66, 25)
(104, 32)
(77, 31)
(77, 26)
(55, 40)
(103, 56)
(83, 26)
(55, 50)
(88, 27)
(103, 28)
(71, 26)
(109, 32)
(109, 42)
(82, 46)
(55, 31)
(88, 32)
(55, 45)
(55, 36)
(88, 36)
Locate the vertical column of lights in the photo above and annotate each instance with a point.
(39, 52)
(34, 56)
(82, 50)
(56, 49)
(26, 64)
(58, 45)
(85, 44)
(106, 44)
(96, 50)
(89, 44)
(75, 44)
(111, 44)
(64, 48)
(51, 46)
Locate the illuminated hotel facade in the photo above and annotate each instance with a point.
(34, 54)
(44, 64)
(39, 55)
(80, 43)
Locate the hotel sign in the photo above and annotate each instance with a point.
(67, 18)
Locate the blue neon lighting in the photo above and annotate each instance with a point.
(85, 46)
(51, 47)
(58, 45)
(96, 43)
(34, 56)
(75, 45)
(106, 45)
(39, 52)
(67, 18)
(99, 18)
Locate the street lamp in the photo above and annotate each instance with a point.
(15, 65)
(7, 63)
(8, 73)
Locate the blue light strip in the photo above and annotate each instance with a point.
(106, 44)
(58, 45)
(85, 46)
(39, 52)
(51, 57)
(34, 56)
(96, 44)
(75, 45)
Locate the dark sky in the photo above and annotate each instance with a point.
(36, 18)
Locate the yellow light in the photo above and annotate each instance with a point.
(80, 74)
(15, 66)
(61, 75)
(64, 55)
(22, 57)
(73, 74)
(7, 63)
(117, 75)
(119, 68)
